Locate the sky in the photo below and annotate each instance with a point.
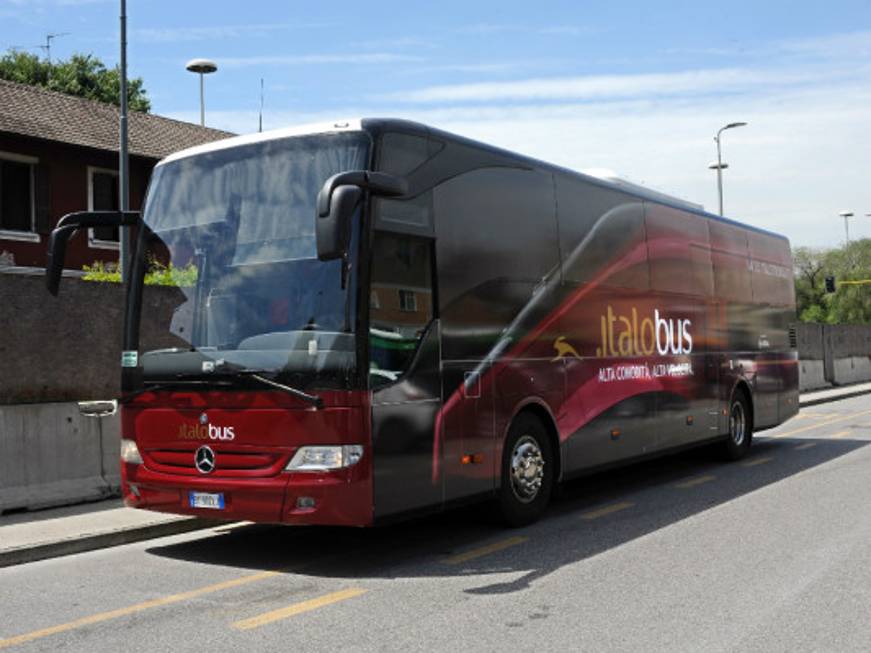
(639, 88)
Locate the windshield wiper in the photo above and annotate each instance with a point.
(314, 400)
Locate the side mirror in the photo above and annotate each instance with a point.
(337, 200)
(333, 230)
(67, 226)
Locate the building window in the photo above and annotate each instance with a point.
(103, 196)
(17, 197)
(407, 301)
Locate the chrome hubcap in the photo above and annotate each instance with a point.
(737, 423)
(527, 469)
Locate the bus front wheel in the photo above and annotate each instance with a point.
(527, 471)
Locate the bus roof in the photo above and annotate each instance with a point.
(386, 124)
(274, 134)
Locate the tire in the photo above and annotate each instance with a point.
(528, 469)
(740, 434)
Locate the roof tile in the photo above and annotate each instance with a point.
(32, 111)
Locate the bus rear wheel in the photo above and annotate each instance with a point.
(527, 471)
(740, 436)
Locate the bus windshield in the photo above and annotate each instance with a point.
(231, 274)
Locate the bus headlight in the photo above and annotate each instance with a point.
(130, 452)
(321, 459)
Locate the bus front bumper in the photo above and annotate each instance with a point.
(341, 498)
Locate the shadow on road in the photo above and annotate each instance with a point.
(419, 548)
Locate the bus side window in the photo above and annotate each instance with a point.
(400, 303)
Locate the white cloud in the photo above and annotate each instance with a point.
(202, 33)
(311, 59)
(692, 82)
(804, 156)
(848, 45)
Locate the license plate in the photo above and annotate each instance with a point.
(206, 500)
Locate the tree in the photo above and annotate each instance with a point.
(850, 304)
(809, 291)
(82, 74)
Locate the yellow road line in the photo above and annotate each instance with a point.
(839, 434)
(818, 425)
(804, 413)
(698, 480)
(485, 550)
(806, 445)
(757, 461)
(607, 510)
(297, 608)
(139, 607)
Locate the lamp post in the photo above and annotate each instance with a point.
(719, 166)
(202, 67)
(846, 215)
(123, 158)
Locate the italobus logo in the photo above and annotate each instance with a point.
(624, 335)
(205, 431)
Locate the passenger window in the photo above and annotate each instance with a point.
(400, 303)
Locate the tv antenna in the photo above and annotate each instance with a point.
(47, 47)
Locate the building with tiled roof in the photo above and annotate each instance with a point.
(59, 153)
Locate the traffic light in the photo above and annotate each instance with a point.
(830, 284)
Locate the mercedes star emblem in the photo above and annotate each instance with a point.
(203, 418)
(204, 459)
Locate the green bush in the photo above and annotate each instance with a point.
(157, 275)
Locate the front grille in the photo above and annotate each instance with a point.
(228, 462)
(793, 338)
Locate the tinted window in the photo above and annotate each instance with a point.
(729, 256)
(16, 206)
(601, 235)
(679, 251)
(105, 197)
(400, 302)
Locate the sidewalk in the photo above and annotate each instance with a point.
(31, 536)
(833, 394)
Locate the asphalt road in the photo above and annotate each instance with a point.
(681, 554)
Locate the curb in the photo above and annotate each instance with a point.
(25, 554)
(838, 397)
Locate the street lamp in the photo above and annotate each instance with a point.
(846, 215)
(719, 166)
(203, 67)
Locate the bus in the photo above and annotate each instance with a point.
(373, 319)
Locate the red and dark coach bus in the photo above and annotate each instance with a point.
(376, 318)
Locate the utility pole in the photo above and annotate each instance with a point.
(260, 122)
(846, 215)
(123, 162)
(719, 165)
(201, 67)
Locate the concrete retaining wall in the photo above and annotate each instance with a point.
(68, 348)
(51, 455)
(833, 354)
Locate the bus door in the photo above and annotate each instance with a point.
(467, 430)
(404, 360)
